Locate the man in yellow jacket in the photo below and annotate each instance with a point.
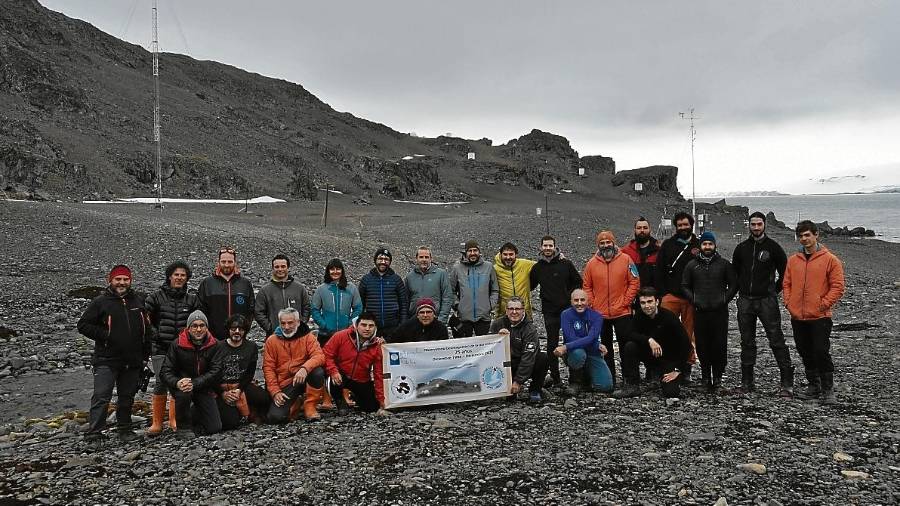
(513, 277)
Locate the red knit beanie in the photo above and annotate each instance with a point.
(119, 270)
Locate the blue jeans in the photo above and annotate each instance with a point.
(598, 371)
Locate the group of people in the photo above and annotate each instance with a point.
(664, 303)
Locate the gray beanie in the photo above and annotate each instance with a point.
(197, 315)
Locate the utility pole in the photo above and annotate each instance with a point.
(547, 211)
(325, 212)
(693, 174)
(156, 126)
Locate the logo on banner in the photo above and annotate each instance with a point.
(403, 387)
(394, 358)
(492, 377)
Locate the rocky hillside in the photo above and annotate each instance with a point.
(76, 122)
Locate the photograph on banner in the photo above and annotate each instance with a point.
(453, 370)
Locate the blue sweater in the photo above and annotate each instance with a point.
(582, 330)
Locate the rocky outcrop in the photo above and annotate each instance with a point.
(597, 164)
(845, 231)
(656, 179)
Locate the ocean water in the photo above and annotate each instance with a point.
(877, 211)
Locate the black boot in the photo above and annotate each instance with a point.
(337, 396)
(716, 386)
(787, 382)
(630, 389)
(747, 385)
(828, 397)
(813, 387)
(706, 377)
(686, 380)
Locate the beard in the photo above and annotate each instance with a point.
(607, 253)
(684, 234)
(641, 237)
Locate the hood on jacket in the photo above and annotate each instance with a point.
(302, 330)
(184, 341)
(542, 258)
(431, 268)
(283, 284)
(368, 343)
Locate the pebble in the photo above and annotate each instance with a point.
(842, 457)
(721, 502)
(855, 475)
(752, 467)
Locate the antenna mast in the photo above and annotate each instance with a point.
(155, 48)
(693, 175)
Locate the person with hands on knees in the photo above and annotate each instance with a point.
(528, 361)
(292, 366)
(192, 373)
(353, 360)
(581, 346)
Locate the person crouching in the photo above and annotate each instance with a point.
(191, 371)
(354, 361)
(292, 366)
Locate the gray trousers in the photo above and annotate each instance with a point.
(125, 380)
(767, 311)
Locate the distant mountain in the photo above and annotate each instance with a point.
(870, 179)
(76, 122)
(758, 193)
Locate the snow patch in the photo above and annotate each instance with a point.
(152, 200)
(429, 203)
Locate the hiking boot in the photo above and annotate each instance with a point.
(686, 379)
(535, 398)
(341, 402)
(629, 390)
(813, 388)
(185, 434)
(785, 393)
(127, 435)
(94, 440)
(828, 397)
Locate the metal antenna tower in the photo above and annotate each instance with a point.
(693, 174)
(154, 46)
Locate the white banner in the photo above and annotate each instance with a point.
(439, 372)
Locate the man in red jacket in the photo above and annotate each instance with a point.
(353, 361)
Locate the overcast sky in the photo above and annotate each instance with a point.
(785, 91)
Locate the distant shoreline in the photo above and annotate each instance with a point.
(796, 195)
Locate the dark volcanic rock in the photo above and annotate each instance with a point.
(597, 164)
(662, 179)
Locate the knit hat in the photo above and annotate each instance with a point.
(119, 270)
(606, 234)
(197, 315)
(425, 302)
(383, 251)
(708, 236)
(472, 243)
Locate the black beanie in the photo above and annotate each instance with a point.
(383, 251)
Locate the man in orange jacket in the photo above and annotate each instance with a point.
(293, 365)
(611, 281)
(813, 284)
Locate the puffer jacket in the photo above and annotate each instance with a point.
(709, 283)
(277, 295)
(119, 328)
(514, 281)
(333, 309)
(168, 309)
(813, 286)
(188, 360)
(221, 298)
(524, 345)
(284, 356)
(434, 284)
(385, 296)
(611, 286)
(361, 361)
(476, 286)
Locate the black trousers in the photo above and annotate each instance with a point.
(622, 327)
(538, 372)
(552, 326)
(197, 411)
(767, 311)
(125, 380)
(257, 399)
(469, 329)
(711, 333)
(633, 354)
(813, 339)
(282, 414)
(363, 393)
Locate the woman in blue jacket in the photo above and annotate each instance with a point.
(336, 302)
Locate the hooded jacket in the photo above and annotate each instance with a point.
(412, 330)
(674, 254)
(666, 329)
(284, 356)
(168, 309)
(221, 298)
(581, 330)
(645, 260)
(557, 277)
(760, 267)
(514, 281)
(475, 283)
(433, 284)
(813, 286)
(277, 295)
(334, 308)
(361, 361)
(709, 283)
(611, 286)
(119, 328)
(385, 296)
(188, 360)
(524, 345)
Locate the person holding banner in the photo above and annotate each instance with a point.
(581, 346)
(528, 361)
(424, 327)
(353, 361)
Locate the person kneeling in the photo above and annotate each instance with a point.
(353, 361)
(292, 365)
(528, 361)
(657, 339)
(191, 371)
(240, 397)
(581, 327)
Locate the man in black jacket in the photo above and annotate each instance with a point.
(658, 340)
(424, 327)
(117, 323)
(710, 283)
(192, 371)
(674, 254)
(168, 309)
(760, 262)
(528, 361)
(557, 277)
(225, 293)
